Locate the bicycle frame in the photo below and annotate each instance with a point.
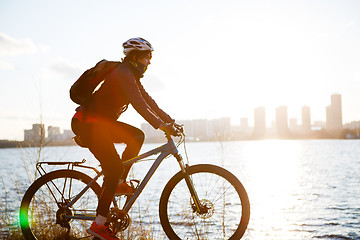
(164, 150)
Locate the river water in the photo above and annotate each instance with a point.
(307, 189)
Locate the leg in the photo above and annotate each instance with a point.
(132, 137)
(103, 135)
(102, 146)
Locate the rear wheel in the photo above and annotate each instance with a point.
(224, 205)
(43, 211)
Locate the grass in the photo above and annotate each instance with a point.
(10, 228)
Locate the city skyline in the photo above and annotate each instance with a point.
(38, 134)
(223, 129)
(261, 120)
(281, 127)
(282, 124)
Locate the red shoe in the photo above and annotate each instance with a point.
(124, 189)
(103, 232)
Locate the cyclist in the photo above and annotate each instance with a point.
(99, 129)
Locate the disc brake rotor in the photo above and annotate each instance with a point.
(206, 209)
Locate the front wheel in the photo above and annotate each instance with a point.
(225, 207)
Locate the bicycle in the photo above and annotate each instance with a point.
(199, 202)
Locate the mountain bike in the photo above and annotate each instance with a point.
(199, 202)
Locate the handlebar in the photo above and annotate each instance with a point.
(177, 130)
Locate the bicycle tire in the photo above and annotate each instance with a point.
(212, 184)
(38, 210)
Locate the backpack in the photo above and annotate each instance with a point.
(82, 90)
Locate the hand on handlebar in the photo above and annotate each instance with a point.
(173, 129)
(179, 128)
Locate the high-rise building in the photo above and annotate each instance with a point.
(53, 133)
(28, 135)
(36, 134)
(282, 125)
(259, 122)
(334, 113)
(337, 110)
(305, 119)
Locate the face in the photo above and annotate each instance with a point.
(145, 60)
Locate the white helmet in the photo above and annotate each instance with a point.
(139, 44)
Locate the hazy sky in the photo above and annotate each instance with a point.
(212, 58)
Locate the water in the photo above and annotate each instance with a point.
(298, 189)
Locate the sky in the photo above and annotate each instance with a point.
(212, 59)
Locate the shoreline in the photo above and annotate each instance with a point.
(23, 144)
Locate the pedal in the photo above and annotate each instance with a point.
(133, 182)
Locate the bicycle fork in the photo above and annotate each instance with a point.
(189, 182)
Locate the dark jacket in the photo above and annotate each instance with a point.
(122, 87)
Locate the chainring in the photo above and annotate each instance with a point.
(119, 220)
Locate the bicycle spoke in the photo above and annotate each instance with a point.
(220, 213)
(49, 217)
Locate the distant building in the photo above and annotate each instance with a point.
(329, 121)
(53, 133)
(189, 128)
(318, 125)
(39, 132)
(195, 130)
(259, 122)
(152, 134)
(282, 126)
(219, 129)
(334, 114)
(28, 135)
(294, 127)
(244, 125)
(199, 128)
(305, 119)
(272, 129)
(352, 125)
(67, 135)
(36, 134)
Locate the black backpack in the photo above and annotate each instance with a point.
(82, 90)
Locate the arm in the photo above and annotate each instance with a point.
(163, 115)
(131, 91)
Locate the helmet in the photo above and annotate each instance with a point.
(139, 44)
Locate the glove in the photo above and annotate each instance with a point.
(169, 129)
(179, 128)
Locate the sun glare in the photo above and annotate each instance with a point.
(272, 182)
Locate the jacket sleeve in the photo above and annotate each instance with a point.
(163, 115)
(132, 92)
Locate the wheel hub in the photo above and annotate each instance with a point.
(206, 209)
(60, 216)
